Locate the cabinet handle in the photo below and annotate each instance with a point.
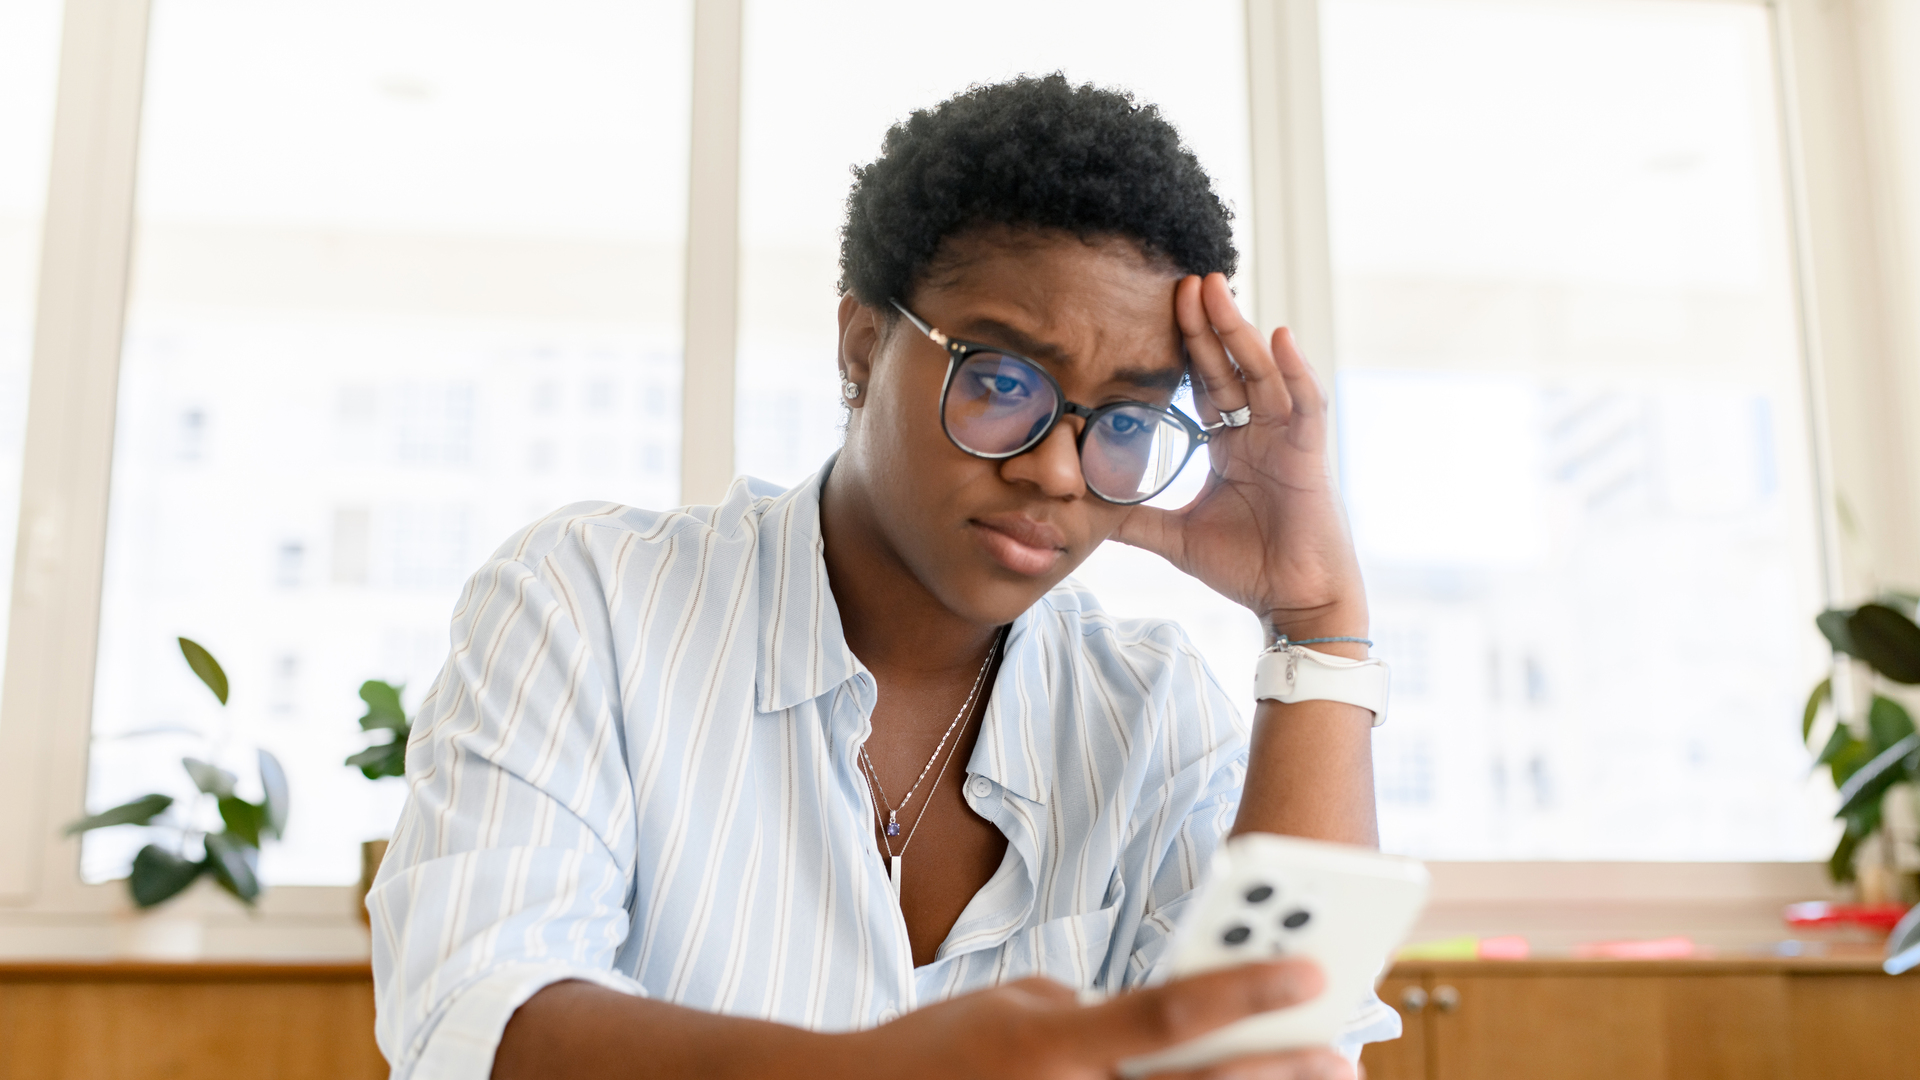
(1446, 998)
(1413, 999)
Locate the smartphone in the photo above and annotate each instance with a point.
(1270, 896)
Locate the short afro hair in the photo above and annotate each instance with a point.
(1032, 153)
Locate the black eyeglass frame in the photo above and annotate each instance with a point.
(957, 353)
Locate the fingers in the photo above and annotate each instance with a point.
(1217, 383)
(1148, 1020)
(1265, 387)
(1302, 385)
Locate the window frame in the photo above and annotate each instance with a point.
(46, 710)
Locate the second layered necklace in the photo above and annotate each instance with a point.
(891, 827)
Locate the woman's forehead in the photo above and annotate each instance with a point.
(1064, 301)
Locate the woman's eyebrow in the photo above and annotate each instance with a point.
(1168, 378)
(995, 332)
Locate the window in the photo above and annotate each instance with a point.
(824, 80)
(406, 278)
(1572, 426)
(29, 48)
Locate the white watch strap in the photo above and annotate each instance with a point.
(1293, 674)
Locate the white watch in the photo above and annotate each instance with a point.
(1290, 673)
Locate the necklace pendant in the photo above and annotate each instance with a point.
(893, 874)
(893, 826)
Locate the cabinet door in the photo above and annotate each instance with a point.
(1859, 1027)
(1608, 1027)
(1405, 1058)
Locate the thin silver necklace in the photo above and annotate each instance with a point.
(892, 827)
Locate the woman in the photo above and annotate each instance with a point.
(848, 779)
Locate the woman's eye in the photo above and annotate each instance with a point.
(1003, 385)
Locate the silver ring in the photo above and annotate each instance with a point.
(1237, 417)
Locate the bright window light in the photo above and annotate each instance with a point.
(407, 277)
(1572, 425)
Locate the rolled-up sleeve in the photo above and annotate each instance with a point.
(512, 864)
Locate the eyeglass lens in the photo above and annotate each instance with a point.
(999, 405)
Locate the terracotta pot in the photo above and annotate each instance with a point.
(372, 852)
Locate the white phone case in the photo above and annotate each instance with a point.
(1267, 896)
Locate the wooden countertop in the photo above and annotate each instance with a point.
(1851, 961)
(1832, 964)
(191, 971)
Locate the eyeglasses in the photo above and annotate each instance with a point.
(996, 405)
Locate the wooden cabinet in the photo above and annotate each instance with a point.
(115, 1021)
(1693, 1020)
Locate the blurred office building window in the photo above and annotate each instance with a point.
(406, 278)
(29, 56)
(824, 79)
(1573, 431)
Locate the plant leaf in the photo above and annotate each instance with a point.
(231, 864)
(1887, 640)
(138, 812)
(158, 875)
(209, 778)
(1887, 722)
(1905, 603)
(387, 759)
(205, 666)
(1820, 696)
(1864, 788)
(1848, 761)
(383, 708)
(244, 819)
(1833, 624)
(1840, 863)
(1836, 748)
(273, 780)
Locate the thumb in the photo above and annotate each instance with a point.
(1143, 1021)
(1151, 528)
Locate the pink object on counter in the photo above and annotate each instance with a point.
(1670, 948)
(1510, 947)
(1819, 913)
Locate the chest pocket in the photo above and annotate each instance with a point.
(1071, 950)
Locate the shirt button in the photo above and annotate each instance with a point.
(888, 1016)
(981, 787)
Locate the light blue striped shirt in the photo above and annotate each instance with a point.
(638, 769)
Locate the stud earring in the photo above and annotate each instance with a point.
(850, 388)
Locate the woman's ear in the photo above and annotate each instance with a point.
(859, 340)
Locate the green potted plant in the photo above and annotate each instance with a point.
(1868, 755)
(387, 757)
(228, 853)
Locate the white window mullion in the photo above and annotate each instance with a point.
(1290, 258)
(713, 255)
(45, 717)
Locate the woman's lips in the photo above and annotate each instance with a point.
(1019, 543)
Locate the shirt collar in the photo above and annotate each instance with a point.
(803, 647)
(804, 653)
(1015, 749)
